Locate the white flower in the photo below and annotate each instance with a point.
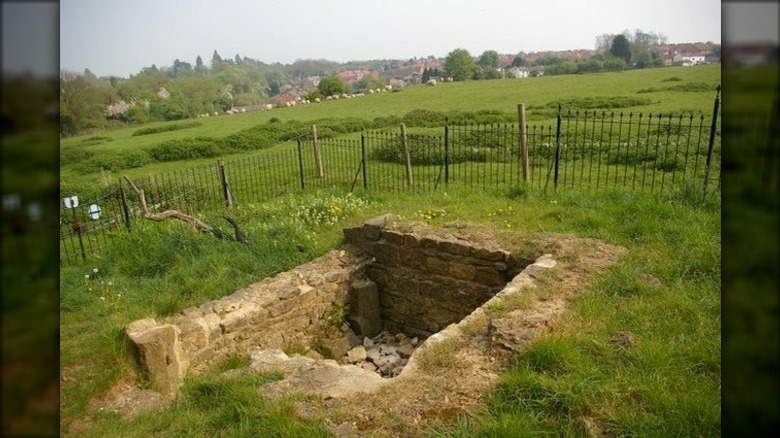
(86, 276)
(95, 270)
(102, 298)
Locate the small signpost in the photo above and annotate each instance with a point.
(72, 202)
(94, 212)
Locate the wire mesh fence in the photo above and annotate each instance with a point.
(584, 149)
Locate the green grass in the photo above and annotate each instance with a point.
(123, 150)
(667, 384)
(669, 381)
(235, 409)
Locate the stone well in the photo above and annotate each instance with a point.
(391, 278)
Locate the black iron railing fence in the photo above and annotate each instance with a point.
(592, 150)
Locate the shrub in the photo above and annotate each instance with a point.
(74, 154)
(600, 102)
(386, 122)
(185, 149)
(94, 140)
(111, 161)
(422, 117)
(165, 128)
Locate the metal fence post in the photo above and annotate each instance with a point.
(523, 141)
(363, 159)
(300, 161)
(407, 157)
(557, 147)
(446, 151)
(317, 153)
(125, 210)
(711, 145)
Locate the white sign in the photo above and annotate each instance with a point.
(71, 201)
(94, 212)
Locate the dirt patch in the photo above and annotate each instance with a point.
(456, 382)
(413, 403)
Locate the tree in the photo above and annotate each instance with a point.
(330, 86)
(518, 61)
(369, 82)
(459, 65)
(621, 48)
(217, 64)
(604, 41)
(275, 80)
(488, 58)
(83, 102)
(426, 76)
(486, 73)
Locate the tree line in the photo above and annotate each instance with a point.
(184, 90)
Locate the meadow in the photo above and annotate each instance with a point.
(669, 385)
(92, 161)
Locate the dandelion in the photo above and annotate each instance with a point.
(95, 270)
(102, 298)
(86, 276)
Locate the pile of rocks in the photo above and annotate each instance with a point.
(385, 354)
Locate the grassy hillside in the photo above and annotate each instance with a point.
(662, 90)
(669, 385)
(499, 94)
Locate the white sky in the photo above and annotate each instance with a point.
(112, 37)
(29, 35)
(751, 22)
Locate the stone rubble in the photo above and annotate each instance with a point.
(385, 354)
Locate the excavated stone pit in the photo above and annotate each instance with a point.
(394, 288)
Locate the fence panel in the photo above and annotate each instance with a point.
(585, 149)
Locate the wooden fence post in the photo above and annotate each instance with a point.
(523, 141)
(225, 186)
(407, 157)
(317, 155)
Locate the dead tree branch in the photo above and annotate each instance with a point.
(196, 223)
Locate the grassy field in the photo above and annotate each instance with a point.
(663, 90)
(669, 386)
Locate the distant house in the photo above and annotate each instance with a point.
(288, 96)
(518, 72)
(687, 59)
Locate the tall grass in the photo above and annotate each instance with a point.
(667, 383)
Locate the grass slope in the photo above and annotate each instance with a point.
(672, 90)
(668, 385)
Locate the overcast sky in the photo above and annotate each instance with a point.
(121, 37)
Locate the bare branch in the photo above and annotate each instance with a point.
(167, 214)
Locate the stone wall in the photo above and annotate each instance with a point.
(426, 281)
(284, 311)
(392, 279)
